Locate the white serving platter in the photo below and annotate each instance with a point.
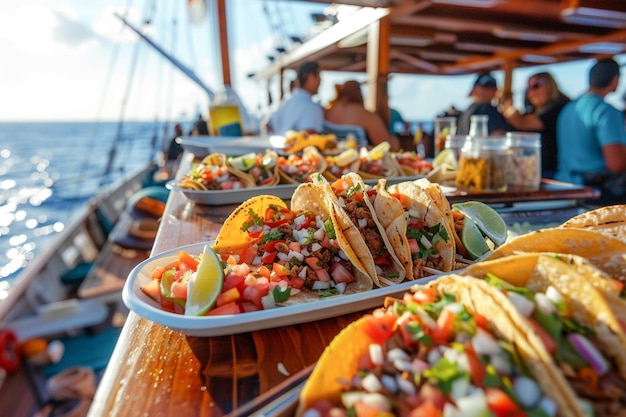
(205, 326)
(202, 146)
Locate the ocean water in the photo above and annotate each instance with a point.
(48, 171)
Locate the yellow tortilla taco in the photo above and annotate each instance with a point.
(443, 349)
(213, 173)
(609, 220)
(567, 319)
(378, 163)
(295, 169)
(351, 207)
(299, 249)
(261, 168)
(606, 253)
(425, 245)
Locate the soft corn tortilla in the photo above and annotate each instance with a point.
(590, 308)
(339, 361)
(275, 175)
(232, 239)
(609, 220)
(604, 252)
(428, 211)
(352, 233)
(218, 159)
(392, 169)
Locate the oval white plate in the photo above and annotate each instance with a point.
(141, 304)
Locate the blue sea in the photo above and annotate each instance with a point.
(48, 171)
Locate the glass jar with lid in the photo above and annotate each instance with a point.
(483, 164)
(524, 168)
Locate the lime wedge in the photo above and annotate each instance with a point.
(346, 157)
(206, 285)
(486, 218)
(473, 239)
(378, 151)
(243, 162)
(445, 159)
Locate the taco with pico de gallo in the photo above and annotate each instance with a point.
(378, 162)
(444, 349)
(608, 220)
(299, 249)
(295, 168)
(350, 202)
(343, 163)
(425, 239)
(568, 321)
(213, 173)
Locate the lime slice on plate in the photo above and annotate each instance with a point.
(445, 159)
(473, 239)
(346, 157)
(206, 285)
(243, 162)
(486, 218)
(378, 151)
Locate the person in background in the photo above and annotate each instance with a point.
(175, 148)
(591, 138)
(483, 95)
(299, 112)
(544, 101)
(347, 108)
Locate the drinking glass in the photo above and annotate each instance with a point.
(444, 126)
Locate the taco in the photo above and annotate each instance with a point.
(214, 174)
(568, 321)
(299, 249)
(261, 168)
(354, 213)
(434, 353)
(345, 162)
(609, 220)
(422, 238)
(378, 163)
(295, 169)
(412, 164)
(606, 253)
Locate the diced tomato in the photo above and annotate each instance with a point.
(548, 342)
(382, 260)
(271, 246)
(240, 269)
(248, 306)
(275, 218)
(500, 403)
(248, 254)
(322, 275)
(179, 290)
(268, 257)
(234, 281)
(481, 321)
(414, 247)
(295, 246)
(280, 269)
(186, 258)
(157, 272)
(313, 262)
(379, 329)
(427, 409)
(297, 282)
(326, 242)
(166, 305)
(432, 394)
(425, 296)
(362, 409)
(152, 289)
(619, 284)
(444, 329)
(340, 273)
(230, 308)
(228, 296)
(254, 294)
(476, 366)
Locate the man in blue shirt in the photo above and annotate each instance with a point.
(299, 112)
(591, 138)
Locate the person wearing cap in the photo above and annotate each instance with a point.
(591, 137)
(483, 95)
(299, 112)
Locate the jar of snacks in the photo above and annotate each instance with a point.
(482, 164)
(524, 168)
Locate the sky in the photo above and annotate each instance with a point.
(73, 60)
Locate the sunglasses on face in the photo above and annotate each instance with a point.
(537, 84)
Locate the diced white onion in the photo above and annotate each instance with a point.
(548, 406)
(462, 362)
(451, 354)
(315, 247)
(460, 388)
(343, 255)
(405, 386)
(474, 405)
(434, 356)
(371, 383)
(268, 302)
(297, 255)
(319, 234)
(403, 365)
(377, 401)
(554, 295)
(424, 241)
(521, 303)
(320, 285)
(527, 391)
(303, 272)
(455, 308)
(501, 364)
(484, 344)
(299, 220)
(397, 353)
(544, 304)
(389, 382)
(376, 354)
(341, 287)
(282, 256)
(362, 222)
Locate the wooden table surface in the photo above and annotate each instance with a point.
(156, 371)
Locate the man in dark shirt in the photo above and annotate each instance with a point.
(483, 94)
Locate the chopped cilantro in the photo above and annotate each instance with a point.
(417, 333)
(329, 228)
(255, 220)
(443, 374)
(353, 190)
(272, 235)
(328, 292)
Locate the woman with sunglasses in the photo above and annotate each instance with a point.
(544, 101)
